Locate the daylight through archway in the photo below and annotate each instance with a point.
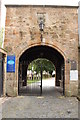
(30, 76)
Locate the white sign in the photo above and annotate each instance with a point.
(73, 74)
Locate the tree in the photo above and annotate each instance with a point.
(46, 65)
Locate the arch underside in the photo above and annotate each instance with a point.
(43, 52)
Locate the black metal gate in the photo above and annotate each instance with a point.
(33, 84)
(63, 78)
(1, 74)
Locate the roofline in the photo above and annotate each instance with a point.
(13, 5)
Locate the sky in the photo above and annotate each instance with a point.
(43, 2)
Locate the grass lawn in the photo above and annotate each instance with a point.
(32, 81)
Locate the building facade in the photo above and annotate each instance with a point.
(59, 43)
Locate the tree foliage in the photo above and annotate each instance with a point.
(44, 63)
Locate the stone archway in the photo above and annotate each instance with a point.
(48, 52)
(13, 91)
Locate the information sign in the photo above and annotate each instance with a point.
(11, 63)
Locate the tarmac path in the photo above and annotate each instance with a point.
(50, 105)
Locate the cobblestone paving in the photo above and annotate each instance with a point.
(45, 106)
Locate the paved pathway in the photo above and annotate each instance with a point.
(2, 100)
(48, 85)
(40, 107)
(50, 105)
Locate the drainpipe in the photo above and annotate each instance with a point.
(79, 50)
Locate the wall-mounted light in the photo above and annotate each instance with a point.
(41, 26)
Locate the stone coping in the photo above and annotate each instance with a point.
(55, 6)
(3, 51)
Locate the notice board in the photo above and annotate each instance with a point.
(73, 74)
(10, 63)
